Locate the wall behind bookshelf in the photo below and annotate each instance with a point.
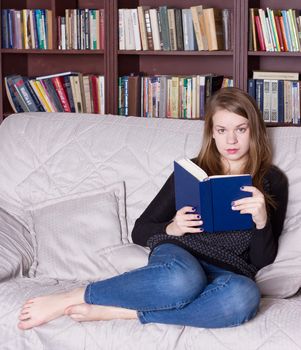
(112, 63)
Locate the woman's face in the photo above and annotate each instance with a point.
(232, 137)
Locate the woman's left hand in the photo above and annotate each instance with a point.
(254, 205)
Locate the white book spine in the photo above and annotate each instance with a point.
(121, 26)
(129, 31)
(266, 101)
(101, 86)
(155, 29)
(136, 31)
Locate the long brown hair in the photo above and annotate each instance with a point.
(260, 155)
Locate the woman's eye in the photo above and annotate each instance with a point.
(221, 131)
(241, 130)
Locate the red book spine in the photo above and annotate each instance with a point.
(94, 93)
(61, 93)
(260, 34)
(283, 34)
(279, 33)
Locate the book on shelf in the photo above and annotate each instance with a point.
(212, 196)
(81, 29)
(170, 29)
(214, 28)
(276, 30)
(167, 96)
(278, 99)
(276, 75)
(27, 29)
(61, 92)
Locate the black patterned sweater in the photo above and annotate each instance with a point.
(243, 252)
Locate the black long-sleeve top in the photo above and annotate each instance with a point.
(264, 243)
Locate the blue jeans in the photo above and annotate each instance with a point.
(177, 288)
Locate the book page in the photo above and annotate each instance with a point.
(193, 169)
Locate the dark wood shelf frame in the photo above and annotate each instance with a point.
(112, 62)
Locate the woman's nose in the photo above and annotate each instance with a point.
(231, 138)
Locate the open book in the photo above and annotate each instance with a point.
(211, 196)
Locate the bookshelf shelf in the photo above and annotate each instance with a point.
(52, 52)
(274, 54)
(176, 53)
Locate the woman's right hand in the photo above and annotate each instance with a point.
(185, 222)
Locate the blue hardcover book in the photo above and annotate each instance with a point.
(252, 88)
(280, 101)
(259, 94)
(211, 196)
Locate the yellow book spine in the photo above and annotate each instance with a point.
(36, 85)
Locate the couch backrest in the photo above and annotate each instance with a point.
(47, 155)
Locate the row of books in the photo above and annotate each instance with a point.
(275, 30)
(62, 92)
(26, 29)
(81, 29)
(277, 95)
(163, 28)
(163, 96)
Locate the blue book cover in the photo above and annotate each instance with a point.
(211, 196)
(259, 94)
(281, 101)
(252, 88)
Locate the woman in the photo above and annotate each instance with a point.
(193, 278)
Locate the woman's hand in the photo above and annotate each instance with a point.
(254, 205)
(184, 222)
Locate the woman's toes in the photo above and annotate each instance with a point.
(24, 316)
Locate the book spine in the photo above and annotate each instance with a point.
(34, 96)
(135, 22)
(149, 34)
(23, 91)
(12, 95)
(274, 101)
(165, 26)
(252, 88)
(260, 34)
(179, 29)
(267, 100)
(68, 89)
(280, 101)
(259, 94)
(61, 93)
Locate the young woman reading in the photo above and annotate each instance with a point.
(193, 278)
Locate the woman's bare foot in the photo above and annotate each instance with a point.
(88, 312)
(38, 311)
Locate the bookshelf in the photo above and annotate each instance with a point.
(111, 62)
(36, 62)
(262, 60)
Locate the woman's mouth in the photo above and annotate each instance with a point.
(232, 150)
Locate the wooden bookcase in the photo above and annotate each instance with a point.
(41, 62)
(266, 61)
(111, 62)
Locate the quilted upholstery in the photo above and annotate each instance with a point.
(44, 156)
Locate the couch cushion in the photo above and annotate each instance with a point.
(16, 248)
(70, 232)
